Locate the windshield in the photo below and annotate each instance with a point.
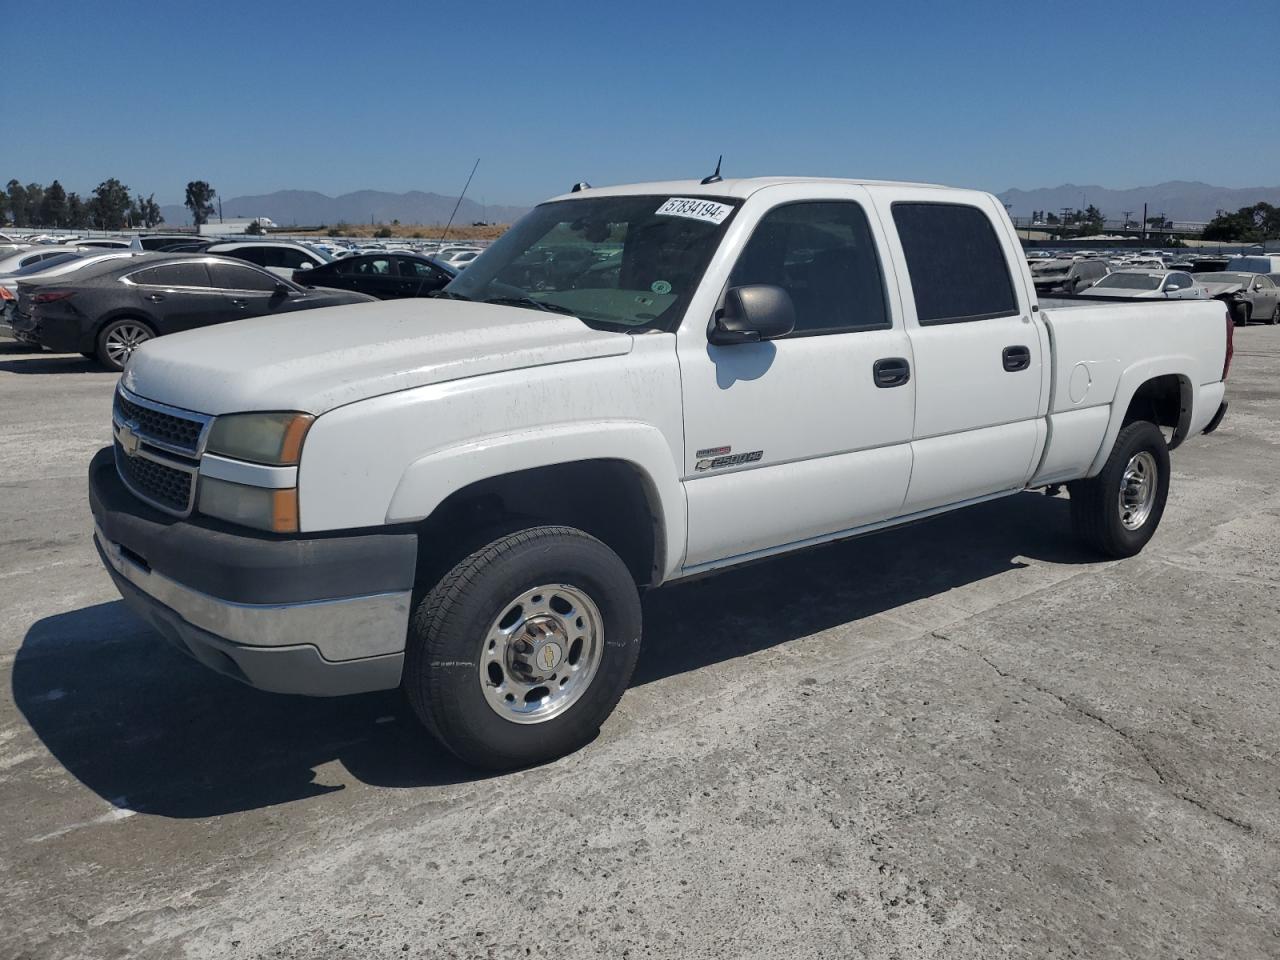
(1131, 281)
(1225, 277)
(617, 263)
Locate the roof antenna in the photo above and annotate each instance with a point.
(715, 177)
(580, 186)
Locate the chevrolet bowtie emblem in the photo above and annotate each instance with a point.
(129, 441)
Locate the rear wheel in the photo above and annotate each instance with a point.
(119, 339)
(524, 648)
(1118, 511)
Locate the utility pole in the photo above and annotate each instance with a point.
(1144, 223)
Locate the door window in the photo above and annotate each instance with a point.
(186, 274)
(418, 270)
(823, 254)
(235, 276)
(957, 266)
(288, 258)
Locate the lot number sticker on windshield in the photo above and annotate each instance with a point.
(707, 210)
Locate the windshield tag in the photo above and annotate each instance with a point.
(707, 210)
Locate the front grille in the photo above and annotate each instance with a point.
(166, 486)
(170, 429)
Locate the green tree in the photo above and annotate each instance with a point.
(151, 215)
(200, 197)
(17, 203)
(1258, 222)
(53, 208)
(35, 198)
(77, 212)
(254, 228)
(110, 205)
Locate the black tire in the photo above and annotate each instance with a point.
(447, 639)
(1243, 315)
(1275, 315)
(110, 358)
(1096, 511)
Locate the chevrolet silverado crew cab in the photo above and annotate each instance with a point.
(465, 496)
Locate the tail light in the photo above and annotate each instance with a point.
(1231, 345)
(50, 296)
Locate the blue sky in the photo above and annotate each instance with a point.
(400, 95)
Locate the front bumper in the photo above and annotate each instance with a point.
(319, 615)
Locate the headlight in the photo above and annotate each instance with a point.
(273, 438)
(266, 508)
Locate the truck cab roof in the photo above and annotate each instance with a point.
(739, 188)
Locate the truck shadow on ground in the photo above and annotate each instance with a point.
(20, 358)
(148, 729)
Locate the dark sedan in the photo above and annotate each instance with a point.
(109, 310)
(387, 276)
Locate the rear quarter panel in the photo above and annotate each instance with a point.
(1101, 356)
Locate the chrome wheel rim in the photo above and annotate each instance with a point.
(124, 339)
(1138, 490)
(541, 653)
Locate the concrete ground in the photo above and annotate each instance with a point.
(966, 739)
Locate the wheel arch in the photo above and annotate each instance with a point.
(1158, 390)
(615, 480)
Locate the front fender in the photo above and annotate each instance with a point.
(427, 481)
(1130, 380)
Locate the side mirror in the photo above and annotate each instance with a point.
(753, 313)
(282, 289)
(1172, 287)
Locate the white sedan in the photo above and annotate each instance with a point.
(1148, 285)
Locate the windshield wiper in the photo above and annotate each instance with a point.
(530, 302)
(447, 295)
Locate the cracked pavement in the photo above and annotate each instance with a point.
(964, 739)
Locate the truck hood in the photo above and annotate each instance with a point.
(316, 360)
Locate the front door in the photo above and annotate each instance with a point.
(978, 354)
(803, 437)
(249, 291)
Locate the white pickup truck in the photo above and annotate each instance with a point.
(465, 496)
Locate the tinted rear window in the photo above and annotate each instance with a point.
(958, 269)
(173, 275)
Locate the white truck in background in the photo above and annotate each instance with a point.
(465, 496)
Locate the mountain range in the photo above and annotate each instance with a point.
(1180, 200)
(309, 208)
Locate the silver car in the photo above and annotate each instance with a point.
(1249, 296)
(1148, 285)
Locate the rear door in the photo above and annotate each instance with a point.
(178, 296)
(807, 436)
(979, 358)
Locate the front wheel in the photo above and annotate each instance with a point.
(524, 648)
(1275, 315)
(1118, 511)
(119, 339)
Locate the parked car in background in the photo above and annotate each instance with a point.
(1255, 263)
(387, 276)
(1209, 264)
(1249, 296)
(24, 258)
(278, 256)
(102, 243)
(1067, 276)
(1147, 285)
(109, 310)
(158, 241)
